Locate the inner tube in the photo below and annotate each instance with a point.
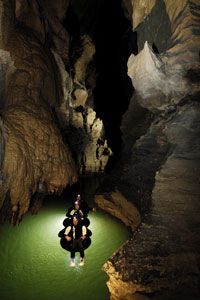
(67, 245)
(68, 222)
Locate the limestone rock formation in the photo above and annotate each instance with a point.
(141, 9)
(84, 130)
(43, 89)
(117, 205)
(157, 88)
(163, 79)
(160, 161)
(167, 243)
(34, 158)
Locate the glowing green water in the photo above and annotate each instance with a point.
(33, 265)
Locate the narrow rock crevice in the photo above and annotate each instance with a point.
(113, 89)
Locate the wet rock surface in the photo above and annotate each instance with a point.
(159, 169)
(117, 205)
(164, 252)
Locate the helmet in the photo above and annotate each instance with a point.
(78, 197)
(77, 216)
(77, 202)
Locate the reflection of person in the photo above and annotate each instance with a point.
(75, 234)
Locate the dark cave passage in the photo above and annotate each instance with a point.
(114, 40)
(113, 88)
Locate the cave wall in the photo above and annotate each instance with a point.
(47, 85)
(49, 130)
(34, 158)
(83, 129)
(160, 161)
(74, 52)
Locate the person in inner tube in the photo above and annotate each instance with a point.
(84, 206)
(76, 234)
(75, 210)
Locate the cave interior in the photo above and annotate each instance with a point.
(109, 90)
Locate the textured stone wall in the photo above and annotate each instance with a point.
(83, 129)
(34, 158)
(164, 79)
(160, 161)
(44, 92)
(117, 205)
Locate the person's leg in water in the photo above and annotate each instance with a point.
(81, 250)
(72, 262)
(73, 250)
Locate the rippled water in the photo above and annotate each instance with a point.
(34, 266)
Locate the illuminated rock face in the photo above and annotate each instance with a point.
(157, 88)
(163, 79)
(34, 158)
(167, 243)
(36, 92)
(117, 205)
(141, 9)
(161, 160)
(77, 114)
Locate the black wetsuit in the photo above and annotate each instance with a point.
(75, 232)
(85, 208)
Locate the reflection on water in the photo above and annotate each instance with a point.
(34, 266)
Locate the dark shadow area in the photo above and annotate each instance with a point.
(193, 75)
(72, 25)
(6, 210)
(114, 40)
(71, 22)
(155, 49)
(113, 88)
(153, 32)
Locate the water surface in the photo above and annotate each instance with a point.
(34, 266)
